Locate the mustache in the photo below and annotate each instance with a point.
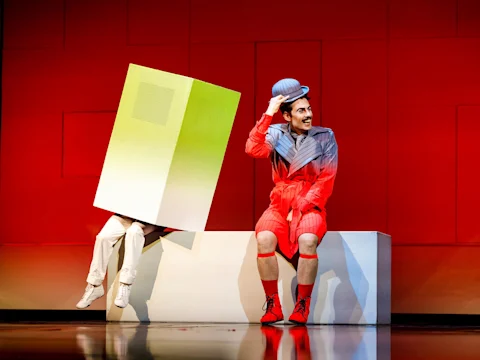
(307, 118)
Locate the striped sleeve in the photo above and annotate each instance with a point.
(259, 143)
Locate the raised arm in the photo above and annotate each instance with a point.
(259, 144)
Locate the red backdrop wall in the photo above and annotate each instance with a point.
(397, 80)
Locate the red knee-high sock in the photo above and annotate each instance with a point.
(305, 290)
(270, 286)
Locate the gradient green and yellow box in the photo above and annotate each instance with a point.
(166, 149)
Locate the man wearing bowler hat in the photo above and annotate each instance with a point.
(304, 162)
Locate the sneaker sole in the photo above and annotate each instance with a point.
(297, 322)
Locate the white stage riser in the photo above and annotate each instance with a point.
(213, 277)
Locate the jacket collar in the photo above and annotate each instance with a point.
(308, 151)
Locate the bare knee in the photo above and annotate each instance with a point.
(308, 243)
(266, 242)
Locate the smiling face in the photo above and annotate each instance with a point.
(300, 117)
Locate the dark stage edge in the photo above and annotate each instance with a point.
(15, 316)
(436, 319)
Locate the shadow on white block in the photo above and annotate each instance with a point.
(213, 277)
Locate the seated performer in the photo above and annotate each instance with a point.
(114, 229)
(304, 160)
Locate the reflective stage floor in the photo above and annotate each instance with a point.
(99, 340)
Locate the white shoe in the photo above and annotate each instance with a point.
(123, 295)
(92, 293)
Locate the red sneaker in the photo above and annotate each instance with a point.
(301, 311)
(273, 313)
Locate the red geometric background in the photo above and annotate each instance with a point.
(397, 80)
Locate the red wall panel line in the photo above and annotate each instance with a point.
(439, 72)
(94, 77)
(233, 65)
(354, 107)
(85, 143)
(32, 81)
(95, 23)
(216, 21)
(468, 18)
(468, 174)
(152, 23)
(422, 18)
(422, 175)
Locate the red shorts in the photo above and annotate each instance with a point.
(313, 222)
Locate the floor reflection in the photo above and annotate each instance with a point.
(213, 341)
(233, 342)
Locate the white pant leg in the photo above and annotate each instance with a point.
(111, 232)
(134, 241)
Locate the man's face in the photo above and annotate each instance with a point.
(300, 118)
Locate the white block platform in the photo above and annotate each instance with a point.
(212, 277)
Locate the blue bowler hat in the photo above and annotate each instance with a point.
(290, 87)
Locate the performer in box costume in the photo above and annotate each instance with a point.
(115, 228)
(304, 161)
